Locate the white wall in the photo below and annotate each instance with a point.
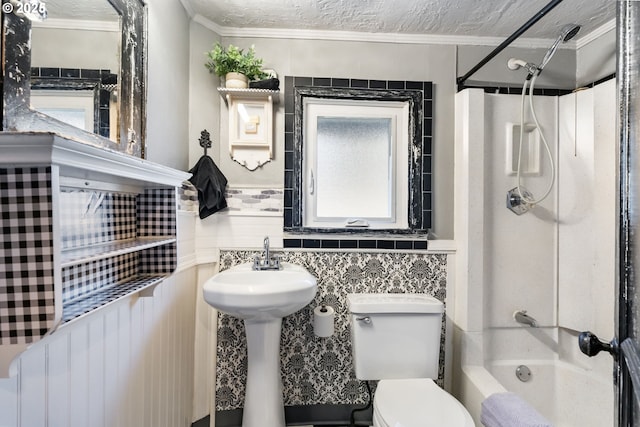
(168, 84)
(596, 59)
(60, 48)
(204, 100)
(559, 73)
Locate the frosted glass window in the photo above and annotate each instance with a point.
(355, 163)
(354, 149)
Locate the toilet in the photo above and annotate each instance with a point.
(395, 338)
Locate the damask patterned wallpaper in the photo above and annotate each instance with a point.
(319, 370)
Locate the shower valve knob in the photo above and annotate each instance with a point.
(591, 345)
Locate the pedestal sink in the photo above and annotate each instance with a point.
(261, 299)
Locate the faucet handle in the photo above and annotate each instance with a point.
(275, 260)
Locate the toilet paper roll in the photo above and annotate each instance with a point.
(323, 317)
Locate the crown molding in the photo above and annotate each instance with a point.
(278, 33)
(78, 24)
(209, 24)
(598, 32)
(187, 7)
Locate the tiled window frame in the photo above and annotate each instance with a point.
(350, 239)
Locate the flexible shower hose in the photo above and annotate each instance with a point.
(529, 200)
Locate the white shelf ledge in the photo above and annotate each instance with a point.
(143, 285)
(83, 255)
(249, 93)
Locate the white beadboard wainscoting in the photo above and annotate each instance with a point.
(129, 364)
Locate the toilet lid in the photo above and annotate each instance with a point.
(418, 403)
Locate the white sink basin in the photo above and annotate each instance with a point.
(247, 294)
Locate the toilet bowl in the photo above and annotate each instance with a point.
(396, 339)
(417, 402)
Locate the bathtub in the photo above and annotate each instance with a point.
(569, 390)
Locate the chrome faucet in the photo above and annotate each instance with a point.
(522, 317)
(268, 262)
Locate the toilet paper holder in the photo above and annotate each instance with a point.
(323, 320)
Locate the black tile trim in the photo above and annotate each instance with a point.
(602, 80)
(421, 218)
(517, 90)
(388, 243)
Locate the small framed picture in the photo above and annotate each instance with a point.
(250, 122)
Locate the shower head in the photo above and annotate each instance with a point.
(568, 32)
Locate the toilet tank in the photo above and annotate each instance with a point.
(395, 335)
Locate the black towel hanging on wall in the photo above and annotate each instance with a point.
(209, 181)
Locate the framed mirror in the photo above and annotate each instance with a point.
(80, 72)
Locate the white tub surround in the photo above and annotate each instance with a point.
(557, 261)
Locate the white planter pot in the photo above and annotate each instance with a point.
(236, 81)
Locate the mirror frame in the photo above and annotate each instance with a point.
(17, 116)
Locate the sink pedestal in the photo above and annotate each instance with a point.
(263, 403)
(262, 298)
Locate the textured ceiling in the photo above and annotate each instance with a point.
(483, 18)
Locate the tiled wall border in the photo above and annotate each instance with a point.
(426, 88)
(254, 200)
(517, 90)
(318, 371)
(347, 243)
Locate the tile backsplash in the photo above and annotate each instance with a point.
(319, 370)
(254, 200)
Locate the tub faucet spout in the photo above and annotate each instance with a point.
(522, 317)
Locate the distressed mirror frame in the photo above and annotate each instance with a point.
(415, 100)
(17, 115)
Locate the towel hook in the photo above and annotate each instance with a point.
(205, 140)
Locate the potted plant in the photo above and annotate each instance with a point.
(231, 61)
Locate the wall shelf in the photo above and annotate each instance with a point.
(84, 227)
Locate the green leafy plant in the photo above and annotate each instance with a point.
(233, 59)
